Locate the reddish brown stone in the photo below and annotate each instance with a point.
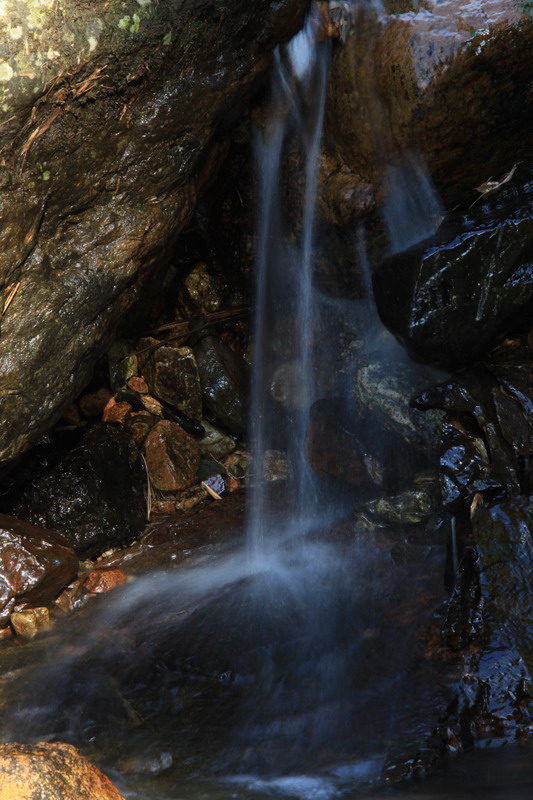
(138, 384)
(35, 564)
(103, 580)
(51, 771)
(116, 412)
(172, 457)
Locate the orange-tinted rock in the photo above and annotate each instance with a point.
(51, 771)
(103, 580)
(35, 564)
(172, 457)
(138, 384)
(92, 405)
(116, 412)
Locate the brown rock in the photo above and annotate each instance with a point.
(31, 621)
(92, 405)
(103, 580)
(172, 375)
(172, 457)
(51, 771)
(152, 405)
(138, 384)
(116, 412)
(35, 564)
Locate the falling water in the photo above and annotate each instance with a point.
(274, 654)
(283, 350)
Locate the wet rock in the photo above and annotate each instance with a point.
(456, 295)
(502, 532)
(172, 457)
(215, 443)
(139, 425)
(95, 496)
(223, 382)
(120, 146)
(172, 376)
(383, 388)
(138, 384)
(30, 622)
(332, 448)
(389, 93)
(489, 433)
(202, 291)
(104, 580)
(51, 770)
(116, 411)
(35, 564)
(409, 507)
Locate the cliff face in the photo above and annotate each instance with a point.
(115, 119)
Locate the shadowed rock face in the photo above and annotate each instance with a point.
(450, 80)
(454, 296)
(115, 120)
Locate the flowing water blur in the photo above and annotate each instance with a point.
(273, 669)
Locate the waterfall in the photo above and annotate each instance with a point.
(284, 296)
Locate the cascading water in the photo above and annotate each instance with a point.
(280, 659)
(284, 301)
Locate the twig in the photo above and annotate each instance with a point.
(11, 296)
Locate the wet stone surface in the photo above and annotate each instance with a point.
(94, 496)
(456, 295)
(35, 564)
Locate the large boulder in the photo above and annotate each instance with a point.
(451, 298)
(51, 771)
(116, 117)
(448, 80)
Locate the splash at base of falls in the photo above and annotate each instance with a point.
(237, 674)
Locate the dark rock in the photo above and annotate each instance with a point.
(95, 496)
(92, 405)
(172, 377)
(223, 382)
(215, 443)
(172, 457)
(383, 387)
(408, 507)
(332, 447)
(35, 564)
(51, 770)
(502, 532)
(456, 295)
(489, 434)
(109, 143)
